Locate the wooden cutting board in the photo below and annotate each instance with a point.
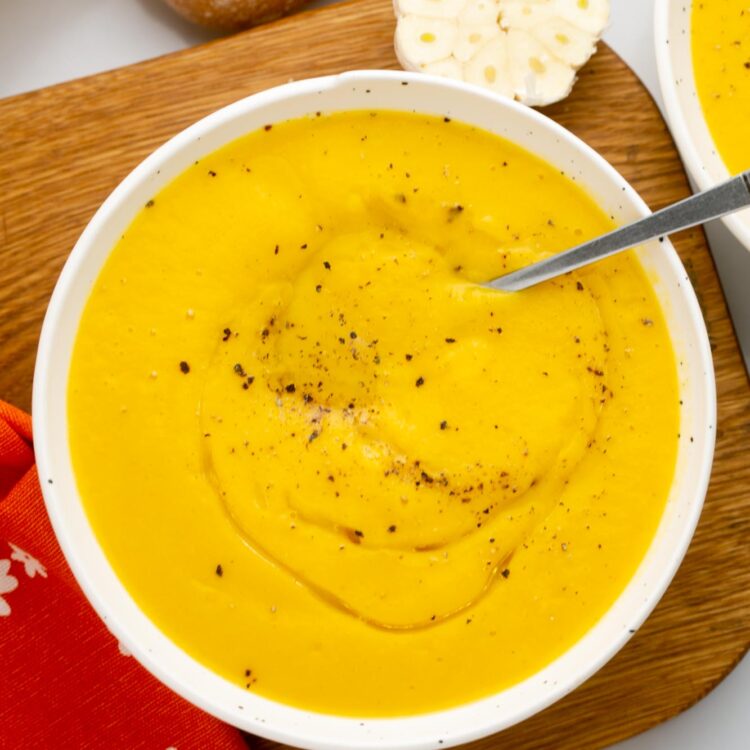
(66, 147)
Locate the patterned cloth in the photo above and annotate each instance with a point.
(65, 682)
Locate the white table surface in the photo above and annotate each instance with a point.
(48, 41)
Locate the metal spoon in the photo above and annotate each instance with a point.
(723, 199)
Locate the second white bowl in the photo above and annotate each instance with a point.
(674, 60)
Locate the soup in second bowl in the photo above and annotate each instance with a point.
(721, 64)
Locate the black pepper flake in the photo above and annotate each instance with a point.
(248, 672)
(747, 65)
(291, 388)
(326, 265)
(212, 173)
(358, 533)
(444, 425)
(647, 321)
(505, 573)
(240, 370)
(276, 250)
(352, 334)
(400, 197)
(150, 203)
(318, 288)
(409, 357)
(227, 333)
(455, 211)
(419, 382)
(184, 367)
(579, 286)
(219, 571)
(446, 119)
(450, 341)
(391, 528)
(313, 436)
(303, 246)
(267, 127)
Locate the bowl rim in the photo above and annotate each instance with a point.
(664, 10)
(343, 731)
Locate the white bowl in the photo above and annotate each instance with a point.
(365, 90)
(674, 61)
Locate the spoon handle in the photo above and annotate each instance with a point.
(709, 204)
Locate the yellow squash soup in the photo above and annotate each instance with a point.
(721, 64)
(330, 465)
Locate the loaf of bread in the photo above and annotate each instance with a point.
(232, 15)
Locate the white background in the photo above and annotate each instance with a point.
(47, 41)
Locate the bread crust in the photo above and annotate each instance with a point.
(232, 15)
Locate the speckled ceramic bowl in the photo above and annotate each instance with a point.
(674, 62)
(398, 91)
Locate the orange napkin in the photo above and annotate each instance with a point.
(64, 682)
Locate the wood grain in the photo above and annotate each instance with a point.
(66, 147)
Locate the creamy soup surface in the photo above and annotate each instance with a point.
(721, 65)
(331, 466)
